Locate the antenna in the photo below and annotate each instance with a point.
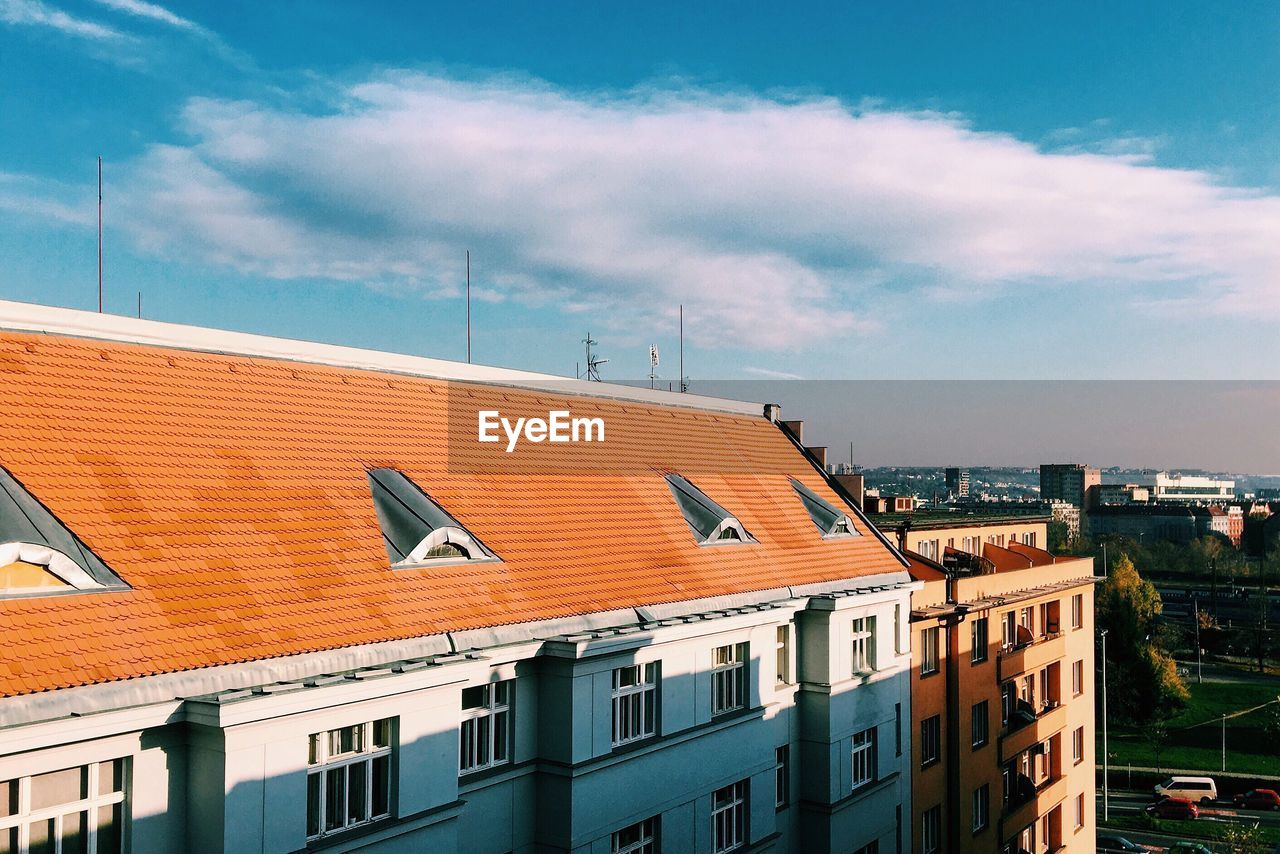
(99, 234)
(684, 385)
(653, 364)
(468, 306)
(593, 361)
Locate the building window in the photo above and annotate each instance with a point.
(484, 738)
(784, 655)
(897, 729)
(931, 830)
(1077, 678)
(1077, 611)
(872, 847)
(1079, 811)
(981, 807)
(782, 776)
(77, 809)
(635, 698)
(930, 740)
(729, 818)
(864, 645)
(864, 757)
(929, 651)
(729, 678)
(1008, 698)
(639, 838)
(978, 724)
(978, 633)
(1008, 631)
(348, 777)
(1077, 745)
(897, 628)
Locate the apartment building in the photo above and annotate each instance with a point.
(268, 596)
(1069, 482)
(1002, 702)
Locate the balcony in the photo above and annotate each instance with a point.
(1030, 654)
(1023, 732)
(1030, 802)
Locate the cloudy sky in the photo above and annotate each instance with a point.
(851, 191)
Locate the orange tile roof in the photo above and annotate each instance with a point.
(230, 493)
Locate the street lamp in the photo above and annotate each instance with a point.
(1106, 802)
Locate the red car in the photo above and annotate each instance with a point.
(1258, 799)
(1173, 808)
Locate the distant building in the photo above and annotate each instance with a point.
(1068, 514)
(1068, 482)
(1269, 493)
(932, 533)
(958, 482)
(889, 503)
(1169, 523)
(1117, 493)
(1190, 489)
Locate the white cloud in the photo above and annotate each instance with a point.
(770, 374)
(774, 220)
(150, 11)
(35, 13)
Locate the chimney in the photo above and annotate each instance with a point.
(796, 428)
(853, 485)
(773, 411)
(820, 451)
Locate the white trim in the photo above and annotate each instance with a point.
(28, 317)
(51, 559)
(450, 535)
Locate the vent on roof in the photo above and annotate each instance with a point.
(831, 521)
(38, 554)
(711, 523)
(416, 530)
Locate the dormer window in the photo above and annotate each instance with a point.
(711, 524)
(39, 556)
(831, 521)
(415, 529)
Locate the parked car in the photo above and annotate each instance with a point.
(1258, 799)
(1188, 848)
(1201, 789)
(1173, 808)
(1108, 844)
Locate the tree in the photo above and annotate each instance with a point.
(1059, 535)
(1243, 839)
(1143, 680)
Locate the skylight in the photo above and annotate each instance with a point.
(831, 521)
(38, 554)
(711, 523)
(416, 530)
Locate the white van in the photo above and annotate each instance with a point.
(1201, 789)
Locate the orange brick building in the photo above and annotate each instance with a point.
(1002, 701)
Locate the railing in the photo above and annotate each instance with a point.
(1028, 654)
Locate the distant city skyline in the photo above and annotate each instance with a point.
(1219, 426)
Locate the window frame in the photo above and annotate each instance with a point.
(782, 777)
(782, 657)
(733, 673)
(980, 820)
(862, 645)
(1077, 611)
(639, 701)
(931, 817)
(1077, 745)
(974, 718)
(864, 757)
(646, 844)
(24, 817)
(931, 725)
(1077, 677)
(323, 760)
(491, 711)
(930, 659)
(735, 808)
(980, 651)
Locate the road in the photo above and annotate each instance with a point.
(1224, 675)
(1124, 803)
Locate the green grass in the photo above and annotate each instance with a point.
(1250, 749)
(1200, 829)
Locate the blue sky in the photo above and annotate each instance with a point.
(844, 191)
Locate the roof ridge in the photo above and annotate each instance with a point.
(75, 323)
